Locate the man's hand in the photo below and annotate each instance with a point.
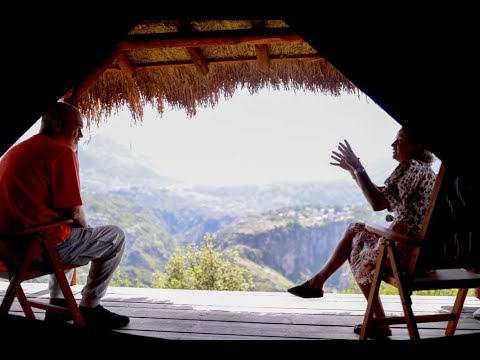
(78, 215)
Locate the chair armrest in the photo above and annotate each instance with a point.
(391, 235)
(39, 228)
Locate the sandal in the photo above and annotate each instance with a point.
(375, 333)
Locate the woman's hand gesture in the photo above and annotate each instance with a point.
(345, 157)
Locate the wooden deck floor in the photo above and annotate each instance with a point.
(230, 315)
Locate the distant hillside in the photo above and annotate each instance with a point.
(294, 241)
(251, 199)
(283, 232)
(264, 277)
(106, 165)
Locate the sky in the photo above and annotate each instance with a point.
(268, 137)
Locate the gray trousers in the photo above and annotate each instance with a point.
(103, 246)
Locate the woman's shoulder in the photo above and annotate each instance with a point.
(418, 169)
(414, 164)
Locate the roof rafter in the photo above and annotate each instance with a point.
(126, 65)
(196, 54)
(172, 64)
(210, 38)
(188, 63)
(83, 87)
(262, 50)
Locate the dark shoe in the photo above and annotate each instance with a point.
(375, 333)
(99, 317)
(56, 317)
(306, 291)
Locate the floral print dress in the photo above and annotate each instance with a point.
(407, 191)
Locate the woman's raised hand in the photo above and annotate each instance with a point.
(345, 157)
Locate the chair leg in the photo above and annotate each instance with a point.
(456, 311)
(373, 295)
(10, 295)
(69, 298)
(22, 299)
(64, 285)
(405, 295)
(15, 289)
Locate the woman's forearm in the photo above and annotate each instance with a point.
(371, 192)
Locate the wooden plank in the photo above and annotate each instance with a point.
(268, 330)
(156, 293)
(269, 302)
(208, 329)
(209, 314)
(246, 329)
(194, 336)
(253, 302)
(446, 278)
(332, 309)
(169, 312)
(467, 323)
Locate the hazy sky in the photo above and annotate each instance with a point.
(271, 136)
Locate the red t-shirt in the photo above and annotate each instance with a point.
(38, 178)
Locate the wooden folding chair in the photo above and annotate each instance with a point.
(415, 278)
(23, 268)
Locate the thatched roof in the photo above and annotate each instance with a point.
(188, 64)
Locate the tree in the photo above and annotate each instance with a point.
(124, 281)
(207, 268)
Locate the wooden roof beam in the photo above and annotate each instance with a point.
(117, 57)
(82, 88)
(173, 64)
(198, 59)
(126, 65)
(262, 50)
(210, 38)
(263, 57)
(196, 54)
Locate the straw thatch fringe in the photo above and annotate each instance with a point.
(185, 88)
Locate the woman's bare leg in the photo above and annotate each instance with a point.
(340, 254)
(378, 311)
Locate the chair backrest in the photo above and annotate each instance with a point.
(426, 221)
(453, 236)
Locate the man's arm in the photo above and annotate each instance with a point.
(78, 215)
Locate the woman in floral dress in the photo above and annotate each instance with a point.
(406, 193)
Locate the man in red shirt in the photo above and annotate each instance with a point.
(40, 184)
